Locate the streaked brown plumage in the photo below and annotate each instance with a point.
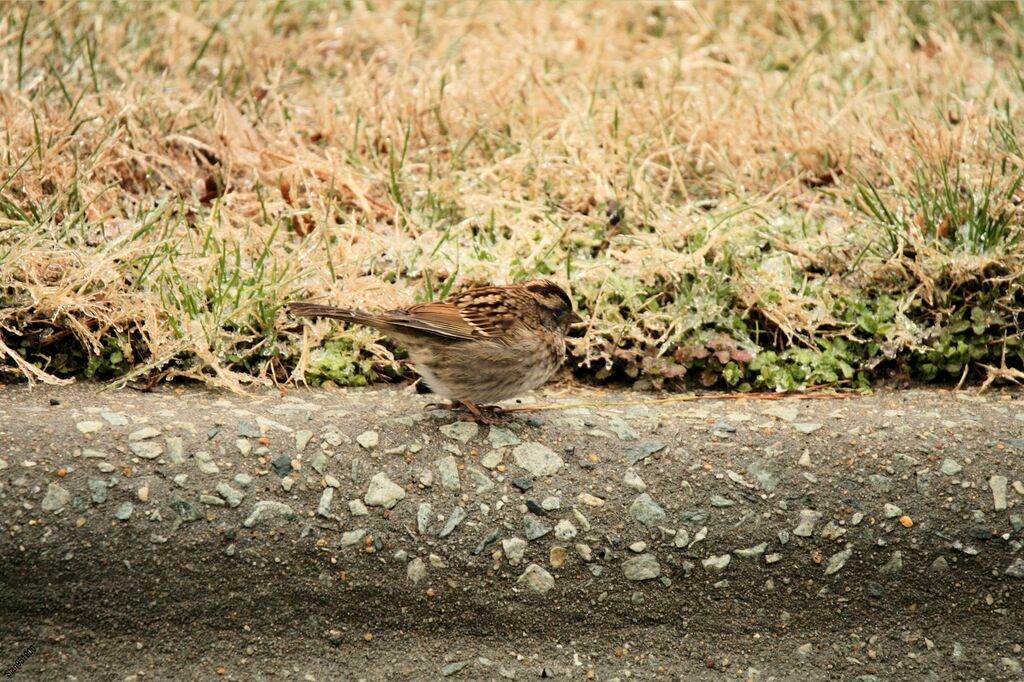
(480, 346)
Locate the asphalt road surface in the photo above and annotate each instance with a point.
(319, 535)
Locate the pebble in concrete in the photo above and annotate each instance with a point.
(537, 579)
(643, 567)
(808, 519)
(537, 459)
(383, 492)
(998, 485)
(268, 510)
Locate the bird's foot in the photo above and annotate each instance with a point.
(483, 414)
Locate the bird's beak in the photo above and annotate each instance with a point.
(575, 318)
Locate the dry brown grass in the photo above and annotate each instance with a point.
(174, 173)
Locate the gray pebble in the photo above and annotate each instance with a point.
(635, 453)
(643, 567)
(231, 496)
(86, 427)
(751, 552)
(268, 510)
(482, 482)
(206, 464)
(765, 474)
(537, 459)
(460, 431)
(924, 481)
(786, 414)
(881, 483)
(332, 436)
(696, 516)
(500, 437)
(581, 519)
(537, 579)
(368, 440)
(620, 428)
(452, 668)
(457, 516)
(175, 449)
(448, 473)
(808, 519)
(282, 465)
(682, 538)
(145, 433)
(487, 541)
(357, 508)
(492, 459)
(534, 528)
(565, 531)
(326, 500)
(352, 537)
(124, 511)
(383, 492)
(998, 485)
(514, 549)
(416, 571)
(248, 430)
(319, 462)
(184, 510)
(832, 531)
(56, 498)
(716, 563)
(147, 449)
(891, 511)
(699, 536)
(115, 418)
(302, 439)
(645, 510)
(894, 564)
(950, 467)
(98, 491)
(522, 483)
(838, 560)
(423, 515)
(632, 480)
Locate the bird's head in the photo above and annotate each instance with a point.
(555, 304)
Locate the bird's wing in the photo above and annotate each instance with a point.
(478, 319)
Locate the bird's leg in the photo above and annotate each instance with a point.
(495, 417)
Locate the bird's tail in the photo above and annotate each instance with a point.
(317, 310)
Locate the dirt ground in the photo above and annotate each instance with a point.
(310, 535)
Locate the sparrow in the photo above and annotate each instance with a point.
(481, 345)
